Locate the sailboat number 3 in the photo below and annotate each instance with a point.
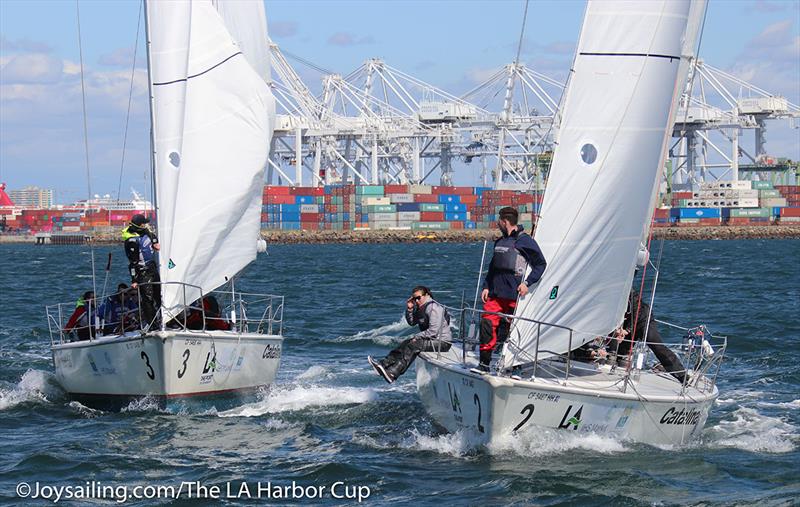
(151, 374)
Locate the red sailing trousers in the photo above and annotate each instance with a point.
(501, 305)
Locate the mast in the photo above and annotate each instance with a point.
(153, 181)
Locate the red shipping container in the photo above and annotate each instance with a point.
(469, 199)
(276, 190)
(431, 216)
(309, 226)
(682, 195)
(309, 217)
(741, 221)
(709, 221)
(456, 225)
(661, 213)
(280, 199)
(395, 189)
(426, 198)
(790, 212)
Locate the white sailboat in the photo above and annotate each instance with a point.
(616, 121)
(212, 115)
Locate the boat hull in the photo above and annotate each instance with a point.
(491, 407)
(168, 367)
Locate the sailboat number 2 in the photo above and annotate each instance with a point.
(150, 373)
(478, 402)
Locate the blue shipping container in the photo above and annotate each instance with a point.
(695, 212)
(304, 199)
(470, 225)
(290, 226)
(776, 212)
(444, 199)
(455, 208)
(290, 217)
(455, 217)
(407, 206)
(481, 190)
(290, 208)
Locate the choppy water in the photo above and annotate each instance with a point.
(329, 418)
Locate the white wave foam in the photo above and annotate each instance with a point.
(754, 432)
(740, 395)
(312, 372)
(35, 385)
(780, 404)
(299, 398)
(84, 410)
(383, 335)
(454, 444)
(547, 441)
(145, 404)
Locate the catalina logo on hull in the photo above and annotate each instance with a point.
(682, 416)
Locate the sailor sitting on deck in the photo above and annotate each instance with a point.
(214, 320)
(637, 320)
(82, 319)
(118, 311)
(434, 325)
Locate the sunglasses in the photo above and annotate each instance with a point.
(416, 298)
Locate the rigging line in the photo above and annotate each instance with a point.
(128, 114)
(86, 140)
(522, 32)
(307, 63)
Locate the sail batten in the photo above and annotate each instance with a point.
(213, 116)
(616, 120)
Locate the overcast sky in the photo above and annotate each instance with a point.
(452, 44)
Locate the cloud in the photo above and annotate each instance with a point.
(348, 39)
(121, 57)
(766, 6)
(283, 29)
(770, 60)
(24, 45)
(31, 68)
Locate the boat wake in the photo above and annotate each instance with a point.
(288, 399)
(383, 335)
(547, 441)
(752, 431)
(35, 386)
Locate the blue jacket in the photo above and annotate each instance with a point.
(111, 311)
(513, 253)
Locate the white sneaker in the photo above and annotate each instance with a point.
(380, 370)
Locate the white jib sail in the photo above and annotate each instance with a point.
(212, 118)
(617, 118)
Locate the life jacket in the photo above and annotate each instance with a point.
(421, 315)
(506, 258)
(138, 247)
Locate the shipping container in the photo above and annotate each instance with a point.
(440, 226)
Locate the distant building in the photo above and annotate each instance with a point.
(32, 197)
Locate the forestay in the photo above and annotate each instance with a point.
(617, 118)
(213, 115)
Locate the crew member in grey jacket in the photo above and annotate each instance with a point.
(434, 325)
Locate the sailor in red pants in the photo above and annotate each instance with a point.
(513, 253)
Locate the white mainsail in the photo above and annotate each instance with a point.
(213, 115)
(617, 118)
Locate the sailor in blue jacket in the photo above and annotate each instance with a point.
(514, 252)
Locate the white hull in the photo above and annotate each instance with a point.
(489, 407)
(112, 371)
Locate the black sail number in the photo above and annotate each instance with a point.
(150, 373)
(478, 402)
(182, 371)
(529, 409)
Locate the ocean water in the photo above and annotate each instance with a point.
(331, 422)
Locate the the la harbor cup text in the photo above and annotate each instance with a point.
(231, 490)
